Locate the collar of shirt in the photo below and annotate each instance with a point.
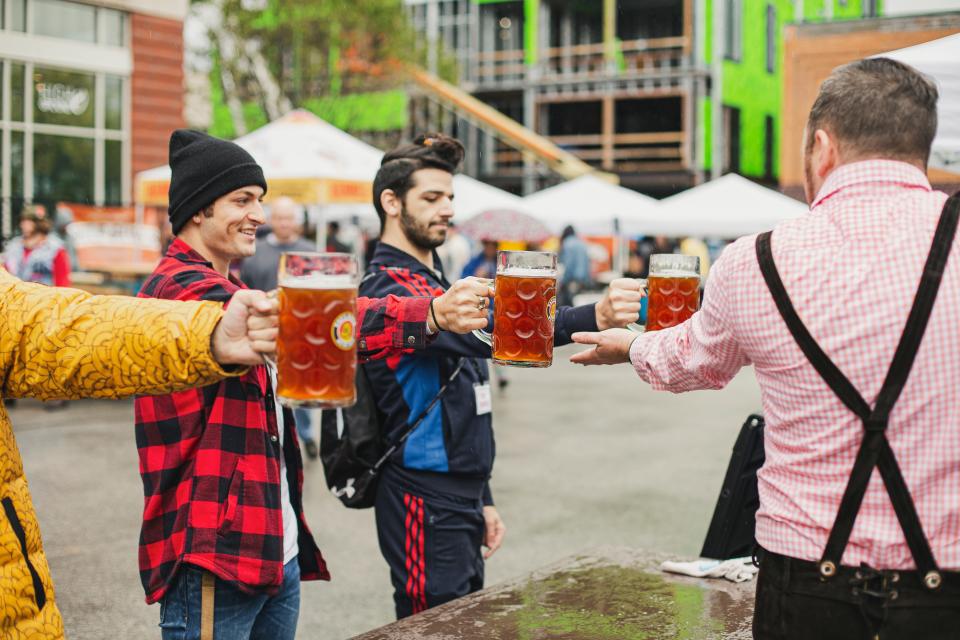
(389, 256)
(185, 253)
(871, 171)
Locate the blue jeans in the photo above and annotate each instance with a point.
(304, 425)
(236, 615)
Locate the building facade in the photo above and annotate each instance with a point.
(813, 50)
(630, 86)
(89, 92)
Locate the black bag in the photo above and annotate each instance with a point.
(352, 444)
(732, 528)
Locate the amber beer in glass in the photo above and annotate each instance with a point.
(673, 289)
(524, 307)
(316, 348)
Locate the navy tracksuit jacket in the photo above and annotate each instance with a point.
(450, 454)
(453, 440)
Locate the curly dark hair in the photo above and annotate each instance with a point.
(427, 151)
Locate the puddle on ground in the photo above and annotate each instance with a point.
(598, 603)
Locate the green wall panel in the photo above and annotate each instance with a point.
(748, 86)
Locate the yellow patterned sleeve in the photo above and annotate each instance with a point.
(64, 343)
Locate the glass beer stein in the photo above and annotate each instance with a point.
(524, 307)
(673, 289)
(316, 346)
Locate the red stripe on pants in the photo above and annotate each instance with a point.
(413, 551)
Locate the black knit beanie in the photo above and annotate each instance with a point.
(203, 168)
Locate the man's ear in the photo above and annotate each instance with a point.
(390, 202)
(826, 153)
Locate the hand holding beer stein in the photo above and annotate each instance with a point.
(620, 305)
(247, 331)
(463, 307)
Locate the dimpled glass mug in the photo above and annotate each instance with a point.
(524, 308)
(316, 345)
(673, 289)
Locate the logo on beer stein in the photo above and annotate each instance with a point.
(343, 330)
(552, 308)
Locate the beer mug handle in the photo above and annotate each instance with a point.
(484, 336)
(636, 326)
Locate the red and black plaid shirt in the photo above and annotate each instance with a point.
(210, 457)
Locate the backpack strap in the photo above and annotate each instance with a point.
(412, 426)
(875, 448)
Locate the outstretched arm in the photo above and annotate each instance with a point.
(396, 324)
(64, 343)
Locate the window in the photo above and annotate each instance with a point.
(66, 142)
(63, 97)
(769, 147)
(18, 15)
(113, 119)
(69, 20)
(17, 93)
(771, 38)
(732, 28)
(65, 19)
(16, 164)
(62, 169)
(113, 172)
(731, 135)
(112, 27)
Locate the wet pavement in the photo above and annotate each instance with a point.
(608, 594)
(585, 459)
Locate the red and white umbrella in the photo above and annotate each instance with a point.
(505, 224)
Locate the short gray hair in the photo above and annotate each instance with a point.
(877, 107)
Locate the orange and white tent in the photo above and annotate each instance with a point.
(303, 157)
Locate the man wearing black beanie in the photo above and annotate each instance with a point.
(224, 539)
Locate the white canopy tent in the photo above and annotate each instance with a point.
(591, 206)
(728, 207)
(472, 197)
(327, 170)
(940, 59)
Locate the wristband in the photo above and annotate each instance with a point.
(433, 314)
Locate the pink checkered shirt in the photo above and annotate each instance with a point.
(851, 267)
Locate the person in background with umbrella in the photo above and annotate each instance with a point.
(576, 266)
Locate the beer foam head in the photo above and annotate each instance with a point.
(528, 272)
(319, 281)
(674, 273)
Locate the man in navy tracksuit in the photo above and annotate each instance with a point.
(434, 507)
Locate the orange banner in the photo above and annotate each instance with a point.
(89, 213)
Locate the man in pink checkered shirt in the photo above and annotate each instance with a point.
(850, 271)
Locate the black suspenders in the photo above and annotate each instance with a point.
(875, 448)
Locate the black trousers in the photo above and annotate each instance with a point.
(432, 542)
(856, 604)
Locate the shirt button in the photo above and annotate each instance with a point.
(274, 438)
(411, 340)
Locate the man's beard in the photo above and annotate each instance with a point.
(419, 234)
